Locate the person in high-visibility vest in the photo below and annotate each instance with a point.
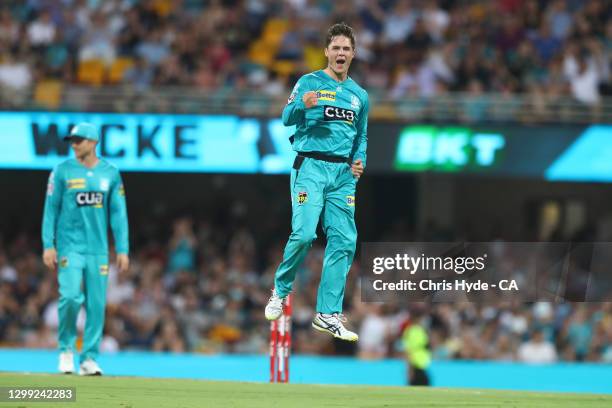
(416, 344)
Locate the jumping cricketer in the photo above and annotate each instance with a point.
(330, 112)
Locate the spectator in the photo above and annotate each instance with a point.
(559, 19)
(545, 44)
(436, 20)
(579, 334)
(153, 48)
(168, 338)
(584, 81)
(537, 350)
(41, 31)
(399, 23)
(373, 334)
(99, 41)
(15, 79)
(418, 41)
(182, 247)
(7, 271)
(140, 75)
(415, 80)
(475, 104)
(15, 73)
(9, 29)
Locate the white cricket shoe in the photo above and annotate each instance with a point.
(274, 308)
(332, 324)
(66, 362)
(90, 367)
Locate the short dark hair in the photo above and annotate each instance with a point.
(340, 29)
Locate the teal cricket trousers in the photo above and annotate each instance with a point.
(321, 190)
(82, 279)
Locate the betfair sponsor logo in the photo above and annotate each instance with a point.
(75, 183)
(326, 95)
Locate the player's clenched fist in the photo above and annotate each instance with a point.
(357, 168)
(310, 99)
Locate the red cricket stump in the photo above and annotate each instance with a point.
(273, 340)
(280, 345)
(287, 337)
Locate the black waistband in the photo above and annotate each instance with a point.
(325, 157)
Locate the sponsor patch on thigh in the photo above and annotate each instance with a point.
(103, 269)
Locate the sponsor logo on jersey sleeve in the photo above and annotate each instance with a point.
(51, 184)
(121, 190)
(350, 201)
(294, 93)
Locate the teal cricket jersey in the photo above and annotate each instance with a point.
(80, 201)
(337, 125)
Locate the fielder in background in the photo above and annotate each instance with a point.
(330, 112)
(83, 194)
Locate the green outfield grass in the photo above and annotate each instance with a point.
(131, 392)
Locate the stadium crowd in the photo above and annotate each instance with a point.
(408, 48)
(204, 289)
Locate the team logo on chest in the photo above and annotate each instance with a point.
(302, 197)
(90, 199)
(104, 184)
